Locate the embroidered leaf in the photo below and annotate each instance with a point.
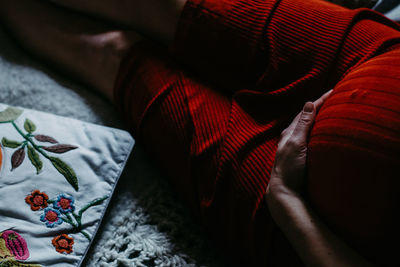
(45, 138)
(10, 114)
(29, 126)
(65, 170)
(35, 159)
(9, 262)
(4, 252)
(94, 202)
(61, 148)
(10, 143)
(17, 158)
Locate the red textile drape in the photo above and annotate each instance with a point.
(245, 68)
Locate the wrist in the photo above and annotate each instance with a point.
(278, 191)
(280, 200)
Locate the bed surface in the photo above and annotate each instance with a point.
(145, 224)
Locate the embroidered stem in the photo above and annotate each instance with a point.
(63, 210)
(95, 202)
(72, 223)
(77, 217)
(68, 221)
(86, 235)
(62, 167)
(28, 139)
(77, 227)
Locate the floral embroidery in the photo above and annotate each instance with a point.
(13, 250)
(63, 210)
(37, 200)
(15, 244)
(14, 263)
(4, 252)
(64, 203)
(63, 243)
(10, 114)
(51, 217)
(33, 150)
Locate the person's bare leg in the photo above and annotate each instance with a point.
(85, 49)
(155, 18)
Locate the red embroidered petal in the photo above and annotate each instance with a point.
(63, 243)
(37, 200)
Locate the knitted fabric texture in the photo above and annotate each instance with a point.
(214, 124)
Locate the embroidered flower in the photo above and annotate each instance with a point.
(64, 203)
(37, 200)
(51, 217)
(15, 244)
(63, 243)
(61, 210)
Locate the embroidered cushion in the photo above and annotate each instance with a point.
(57, 176)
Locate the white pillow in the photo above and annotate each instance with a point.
(57, 176)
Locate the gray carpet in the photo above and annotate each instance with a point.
(145, 225)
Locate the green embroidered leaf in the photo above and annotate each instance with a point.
(29, 126)
(10, 114)
(10, 143)
(94, 202)
(66, 171)
(13, 263)
(35, 159)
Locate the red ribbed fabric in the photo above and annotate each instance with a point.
(354, 159)
(245, 68)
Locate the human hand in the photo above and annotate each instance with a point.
(288, 172)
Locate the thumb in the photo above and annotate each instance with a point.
(306, 120)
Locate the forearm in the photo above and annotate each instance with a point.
(157, 19)
(313, 241)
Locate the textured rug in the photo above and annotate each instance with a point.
(145, 225)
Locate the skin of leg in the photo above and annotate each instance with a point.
(156, 19)
(85, 49)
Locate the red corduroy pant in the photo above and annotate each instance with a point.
(211, 109)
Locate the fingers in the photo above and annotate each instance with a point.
(289, 130)
(303, 126)
(318, 103)
(287, 133)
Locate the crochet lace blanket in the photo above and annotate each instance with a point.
(145, 224)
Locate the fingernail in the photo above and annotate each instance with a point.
(308, 107)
